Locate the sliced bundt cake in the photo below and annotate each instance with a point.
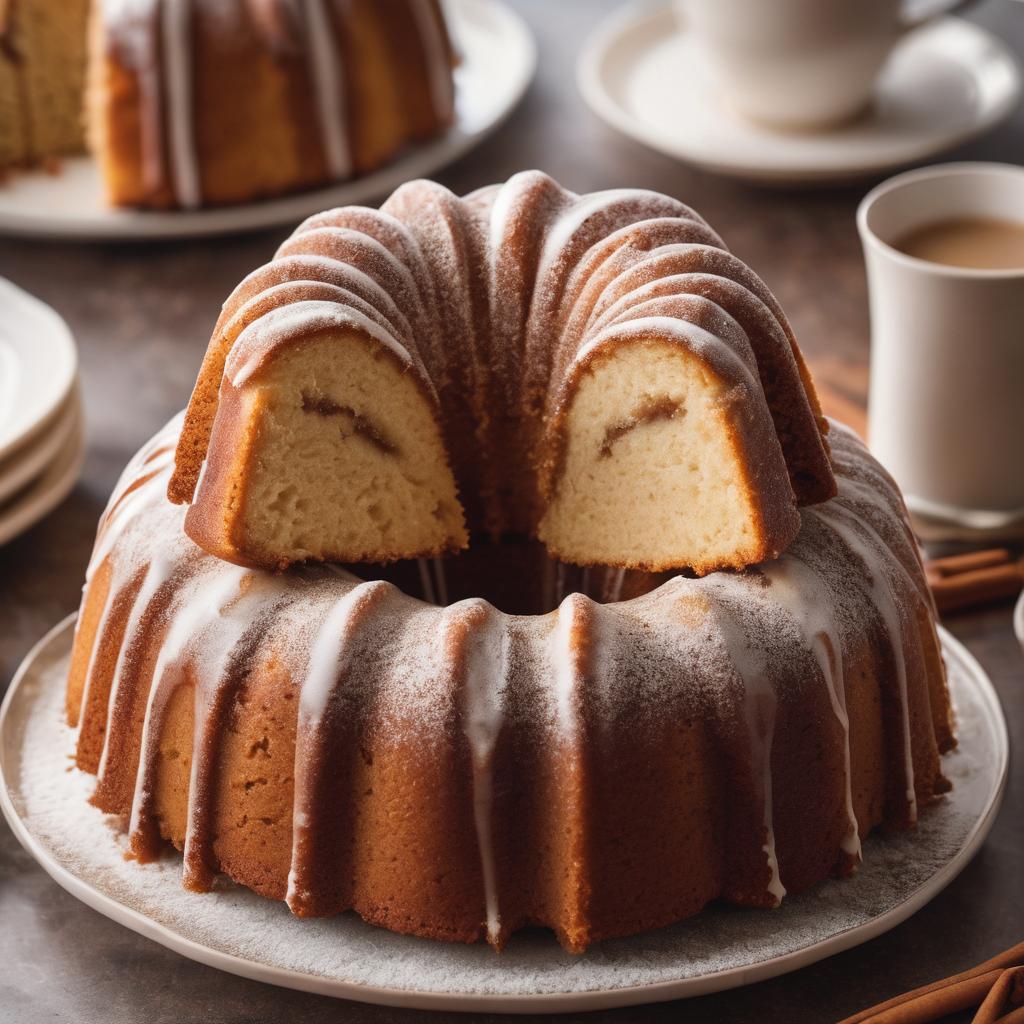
(596, 371)
(624, 750)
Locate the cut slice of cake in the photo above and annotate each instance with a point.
(327, 449)
(662, 459)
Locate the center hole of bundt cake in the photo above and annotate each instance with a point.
(516, 575)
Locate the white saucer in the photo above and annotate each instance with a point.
(498, 59)
(934, 521)
(45, 801)
(47, 491)
(944, 83)
(29, 461)
(38, 366)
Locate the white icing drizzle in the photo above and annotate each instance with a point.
(840, 521)
(439, 72)
(800, 592)
(486, 679)
(329, 85)
(565, 658)
(565, 226)
(194, 607)
(221, 615)
(201, 478)
(158, 572)
(90, 672)
(750, 665)
(328, 663)
(129, 25)
(176, 35)
(327, 659)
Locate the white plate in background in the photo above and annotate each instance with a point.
(944, 83)
(29, 461)
(38, 366)
(498, 60)
(47, 491)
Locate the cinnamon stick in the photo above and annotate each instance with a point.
(1007, 992)
(932, 1003)
(989, 970)
(961, 581)
(953, 564)
(1013, 1017)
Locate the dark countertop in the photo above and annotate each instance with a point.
(142, 315)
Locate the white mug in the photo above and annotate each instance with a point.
(800, 63)
(946, 398)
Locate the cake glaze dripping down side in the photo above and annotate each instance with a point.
(852, 533)
(798, 590)
(749, 662)
(730, 650)
(327, 77)
(322, 738)
(475, 631)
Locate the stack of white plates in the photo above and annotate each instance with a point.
(41, 435)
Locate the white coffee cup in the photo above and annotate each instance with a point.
(946, 400)
(800, 63)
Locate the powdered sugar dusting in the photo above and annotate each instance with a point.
(299, 318)
(53, 800)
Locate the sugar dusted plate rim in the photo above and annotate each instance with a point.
(43, 668)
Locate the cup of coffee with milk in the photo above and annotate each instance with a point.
(944, 248)
(800, 64)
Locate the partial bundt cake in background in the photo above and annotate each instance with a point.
(202, 102)
(596, 371)
(459, 772)
(42, 72)
(190, 103)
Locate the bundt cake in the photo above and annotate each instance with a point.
(42, 73)
(596, 371)
(205, 102)
(459, 772)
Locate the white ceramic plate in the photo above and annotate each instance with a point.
(46, 492)
(944, 83)
(233, 929)
(1018, 619)
(38, 365)
(498, 61)
(29, 461)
